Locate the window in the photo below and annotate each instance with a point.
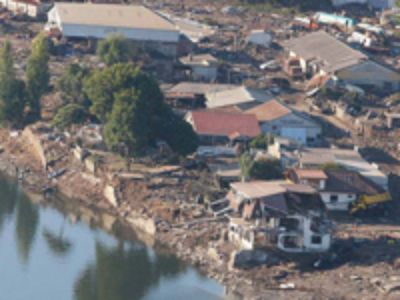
(316, 239)
(334, 198)
(349, 196)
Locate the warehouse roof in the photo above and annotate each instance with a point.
(113, 15)
(330, 53)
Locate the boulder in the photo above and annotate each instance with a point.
(250, 258)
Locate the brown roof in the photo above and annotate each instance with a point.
(310, 174)
(344, 181)
(327, 51)
(217, 123)
(269, 111)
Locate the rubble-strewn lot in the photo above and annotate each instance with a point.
(363, 263)
(152, 195)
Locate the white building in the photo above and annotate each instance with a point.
(31, 8)
(259, 38)
(98, 21)
(203, 67)
(276, 118)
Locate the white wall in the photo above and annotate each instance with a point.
(370, 73)
(204, 73)
(293, 127)
(304, 237)
(344, 200)
(167, 39)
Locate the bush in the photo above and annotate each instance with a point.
(68, 115)
(266, 169)
(262, 141)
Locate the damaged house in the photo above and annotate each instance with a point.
(340, 189)
(191, 95)
(289, 216)
(319, 54)
(280, 120)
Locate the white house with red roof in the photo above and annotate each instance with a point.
(217, 127)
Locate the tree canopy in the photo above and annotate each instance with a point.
(127, 125)
(12, 100)
(70, 84)
(117, 49)
(140, 94)
(68, 115)
(37, 74)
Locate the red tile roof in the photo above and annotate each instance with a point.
(270, 110)
(217, 123)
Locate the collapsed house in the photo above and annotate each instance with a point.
(320, 54)
(218, 127)
(291, 217)
(98, 21)
(280, 120)
(340, 189)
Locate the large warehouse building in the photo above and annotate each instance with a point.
(97, 21)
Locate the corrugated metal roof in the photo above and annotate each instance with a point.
(331, 54)
(236, 96)
(112, 15)
(199, 88)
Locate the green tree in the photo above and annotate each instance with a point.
(331, 166)
(262, 141)
(37, 74)
(101, 86)
(11, 89)
(70, 84)
(117, 49)
(246, 163)
(68, 115)
(150, 111)
(178, 134)
(266, 169)
(127, 125)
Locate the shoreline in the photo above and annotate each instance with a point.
(171, 239)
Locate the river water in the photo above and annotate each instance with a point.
(45, 254)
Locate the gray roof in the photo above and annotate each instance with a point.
(325, 50)
(236, 96)
(113, 15)
(199, 88)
